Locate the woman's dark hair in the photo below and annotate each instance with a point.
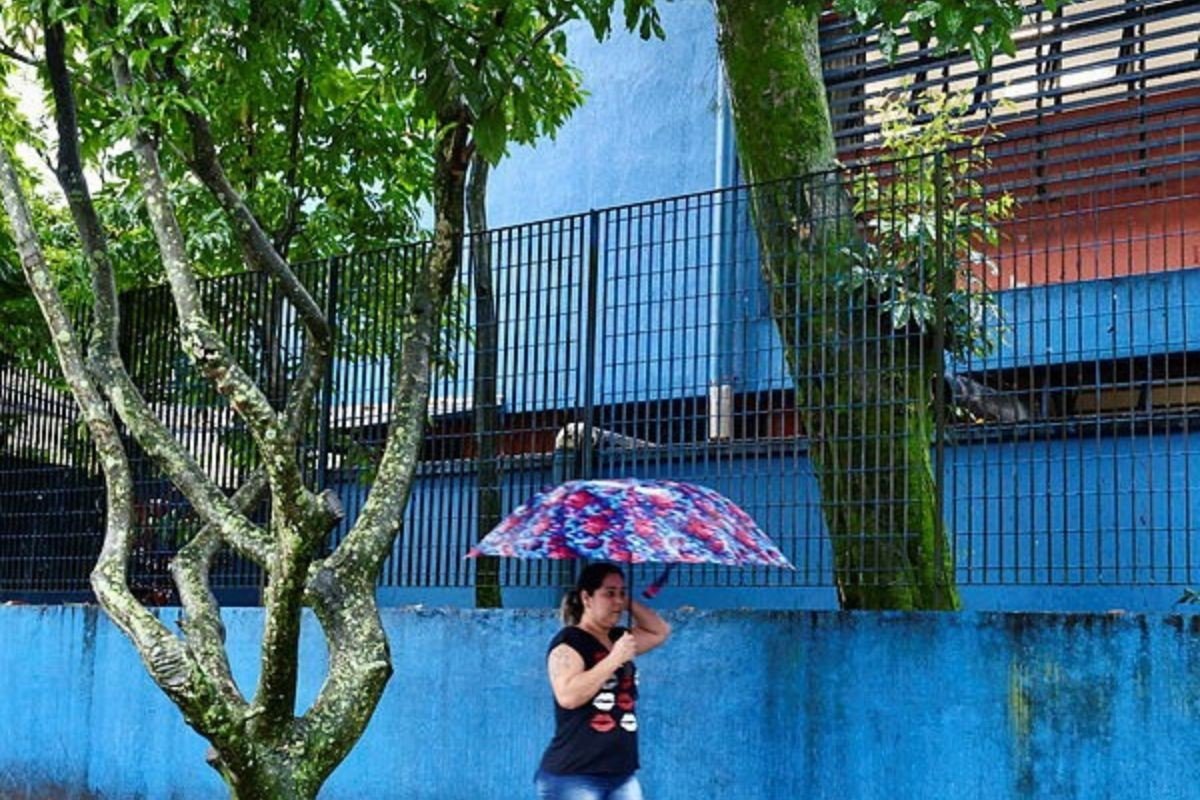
(589, 581)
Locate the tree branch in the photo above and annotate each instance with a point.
(205, 346)
(299, 517)
(369, 542)
(166, 659)
(260, 254)
(201, 623)
(485, 407)
(550, 27)
(16, 55)
(522, 60)
(359, 665)
(175, 461)
(341, 588)
(267, 256)
(257, 248)
(283, 237)
(485, 44)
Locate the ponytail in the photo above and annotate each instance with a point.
(571, 608)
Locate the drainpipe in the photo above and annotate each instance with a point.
(722, 306)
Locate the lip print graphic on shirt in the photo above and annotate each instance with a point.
(603, 701)
(602, 723)
(629, 722)
(610, 684)
(625, 702)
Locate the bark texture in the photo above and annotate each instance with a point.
(865, 389)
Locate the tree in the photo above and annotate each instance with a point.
(272, 119)
(862, 380)
(485, 385)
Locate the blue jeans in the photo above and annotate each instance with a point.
(587, 787)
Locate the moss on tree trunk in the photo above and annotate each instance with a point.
(864, 388)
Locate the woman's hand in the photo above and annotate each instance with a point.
(574, 685)
(623, 649)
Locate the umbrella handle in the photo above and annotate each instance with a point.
(653, 589)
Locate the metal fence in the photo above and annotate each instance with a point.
(644, 339)
(641, 340)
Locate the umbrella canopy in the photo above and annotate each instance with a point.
(632, 521)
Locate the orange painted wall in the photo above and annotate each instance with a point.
(1094, 204)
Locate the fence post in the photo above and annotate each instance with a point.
(944, 275)
(326, 408)
(589, 347)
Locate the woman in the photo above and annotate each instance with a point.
(594, 753)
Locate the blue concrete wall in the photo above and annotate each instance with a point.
(739, 704)
(649, 127)
(1138, 315)
(1110, 318)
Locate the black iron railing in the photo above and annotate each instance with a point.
(647, 339)
(643, 340)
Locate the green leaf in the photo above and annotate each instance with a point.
(928, 9)
(950, 23)
(888, 44)
(491, 135)
(134, 12)
(1008, 46)
(981, 50)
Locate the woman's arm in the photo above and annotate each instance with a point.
(650, 629)
(575, 686)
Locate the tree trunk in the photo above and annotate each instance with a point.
(486, 408)
(864, 388)
(266, 776)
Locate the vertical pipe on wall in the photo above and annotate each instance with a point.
(723, 241)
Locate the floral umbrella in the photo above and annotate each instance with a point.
(632, 521)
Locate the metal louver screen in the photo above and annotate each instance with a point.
(1123, 63)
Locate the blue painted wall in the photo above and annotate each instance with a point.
(739, 704)
(649, 127)
(1124, 317)
(1111, 318)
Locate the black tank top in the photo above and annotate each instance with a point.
(599, 737)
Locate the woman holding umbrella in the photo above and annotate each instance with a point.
(594, 755)
(594, 752)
